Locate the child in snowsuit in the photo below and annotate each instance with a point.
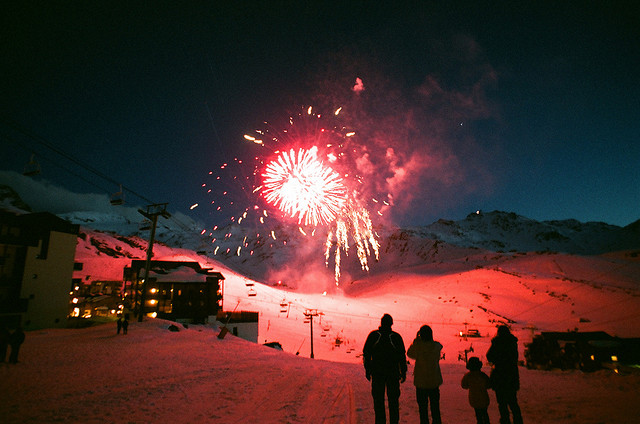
(477, 383)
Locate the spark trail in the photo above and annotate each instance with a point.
(307, 176)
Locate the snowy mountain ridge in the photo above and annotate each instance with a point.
(507, 231)
(291, 255)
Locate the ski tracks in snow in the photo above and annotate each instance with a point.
(299, 393)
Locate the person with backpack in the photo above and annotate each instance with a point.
(385, 366)
(427, 376)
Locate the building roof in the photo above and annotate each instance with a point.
(183, 274)
(175, 271)
(33, 227)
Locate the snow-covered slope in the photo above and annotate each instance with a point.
(154, 375)
(462, 288)
(419, 278)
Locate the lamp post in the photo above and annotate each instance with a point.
(152, 213)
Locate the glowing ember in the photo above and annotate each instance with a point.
(302, 187)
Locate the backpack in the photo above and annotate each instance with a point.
(384, 350)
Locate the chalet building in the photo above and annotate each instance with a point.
(37, 252)
(179, 291)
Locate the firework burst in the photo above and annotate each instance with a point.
(307, 176)
(303, 187)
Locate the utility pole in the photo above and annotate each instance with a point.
(152, 213)
(310, 313)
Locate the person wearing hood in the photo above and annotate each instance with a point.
(505, 377)
(427, 376)
(385, 366)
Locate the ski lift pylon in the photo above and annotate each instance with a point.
(32, 167)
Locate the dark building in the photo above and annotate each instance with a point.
(587, 351)
(179, 291)
(37, 252)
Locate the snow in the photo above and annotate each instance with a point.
(151, 374)
(155, 375)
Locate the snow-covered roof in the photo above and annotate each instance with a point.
(183, 274)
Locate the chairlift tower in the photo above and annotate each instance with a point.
(309, 314)
(152, 213)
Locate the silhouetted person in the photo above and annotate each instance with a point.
(505, 377)
(427, 376)
(125, 325)
(477, 383)
(119, 324)
(385, 365)
(15, 341)
(4, 342)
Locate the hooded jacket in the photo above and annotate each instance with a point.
(503, 354)
(426, 373)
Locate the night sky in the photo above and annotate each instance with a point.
(522, 106)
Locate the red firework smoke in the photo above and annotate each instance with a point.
(302, 187)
